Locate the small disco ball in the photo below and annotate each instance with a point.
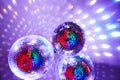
(78, 67)
(68, 39)
(30, 57)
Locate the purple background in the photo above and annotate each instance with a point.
(100, 19)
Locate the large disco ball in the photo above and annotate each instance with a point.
(30, 57)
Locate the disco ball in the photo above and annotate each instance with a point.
(78, 67)
(68, 38)
(30, 57)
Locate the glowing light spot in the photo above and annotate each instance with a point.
(82, 25)
(107, 54)
(71, 16)
(112, 26)
(117, 0)
(115, 34)
(3, 36)
(85, 49)
(33, 0)
(77, 20)
(87, 32)
(4, 10)
(14, 2)
(33, 42)
(23, 19)
(103, 37)
(14, 17)
(94, 47)
(106, 46)
(105, 17)
(5, 30)
(8, 26)
(85, 16)
(92, 21)
(96, 54)
(98, 29)
(100, 10)
(9, 7)
(26, 8)
(79, 11)
(92, 2)
(15, 13)
(13, 34)
(30, 1)
(16, 47)
(91, 39)
(70, 6)
(11, 21)
(118, 48)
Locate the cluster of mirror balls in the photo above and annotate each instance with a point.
(31, 57)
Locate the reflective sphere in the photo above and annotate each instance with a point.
(30, 57)
(78, 67)
(68, 38)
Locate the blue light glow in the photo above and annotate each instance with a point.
(118, 48)
(115, 34)
(112, 26)
(102, 37)
(117, 0)
(105, 17)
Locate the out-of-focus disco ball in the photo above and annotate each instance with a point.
(78, 67)
(30, 57)
(68, 38)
